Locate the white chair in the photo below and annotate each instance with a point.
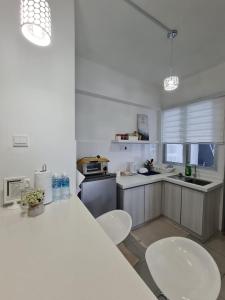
(116, 224)
(183, 270)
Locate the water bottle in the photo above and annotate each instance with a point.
(56, 187)
(65, 186)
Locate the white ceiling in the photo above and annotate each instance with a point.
(112, 33)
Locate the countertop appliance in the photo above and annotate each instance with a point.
(93, 165)
(98, 193)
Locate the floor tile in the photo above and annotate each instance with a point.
(219, 259)
(217, 243)
(141, 238)
(141, 267)
(193, 238)
(162, 297)
(222, 292)
(143, 271)
(135, 247)
(131, 258)
(211, 247)
(156, 230)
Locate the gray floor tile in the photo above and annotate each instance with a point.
(143, 271)
(193, 238)
(139, 239)
(141, 267)
(135, 247)
(222, 292)
(217, 243)
(158, 229)
(219, 259)
(162, 297)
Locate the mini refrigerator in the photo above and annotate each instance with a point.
(99, 193)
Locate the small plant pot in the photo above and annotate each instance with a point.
(34, 211)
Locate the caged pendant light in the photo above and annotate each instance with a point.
(171, 82)
(36, 21)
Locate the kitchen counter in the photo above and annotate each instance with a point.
(63, 254)
(126, 182)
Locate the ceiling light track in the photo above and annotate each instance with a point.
(171, 82)
(150, 17)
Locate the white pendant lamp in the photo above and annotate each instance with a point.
(36, 21)
(171, 82)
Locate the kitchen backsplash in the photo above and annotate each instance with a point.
(117, 154)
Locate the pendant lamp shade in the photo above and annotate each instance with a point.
(171, 83)
(36, 21)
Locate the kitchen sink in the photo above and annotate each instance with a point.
(150, 173)
(191, 180)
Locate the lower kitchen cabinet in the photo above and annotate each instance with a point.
(143, 203)
(132, 201)
(171, 203)
(197, 211)
(200, 212)
(153, 201)
(192, 210)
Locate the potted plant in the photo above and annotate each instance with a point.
(35, 202)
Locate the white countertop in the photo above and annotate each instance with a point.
(126, 182)
(63, 254)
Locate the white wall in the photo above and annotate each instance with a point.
(37, 94)
(202, 85)
(97, 122)
(98, 119)
(99, 79)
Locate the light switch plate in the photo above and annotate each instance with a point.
(21, 141)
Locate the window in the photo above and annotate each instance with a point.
(200, 122)
(202, 155)
(174, 153)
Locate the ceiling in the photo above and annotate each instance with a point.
(112, 33)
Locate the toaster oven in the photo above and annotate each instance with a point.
(93, 165)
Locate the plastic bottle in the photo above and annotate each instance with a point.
(56, 187)
(188, 170)
(65, 186)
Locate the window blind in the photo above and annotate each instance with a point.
(205, 122)
(173, 127)
(200, 122)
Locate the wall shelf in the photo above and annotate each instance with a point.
(131, 142)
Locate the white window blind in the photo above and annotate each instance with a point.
(173, 127)
(205, 122)
(200, 122)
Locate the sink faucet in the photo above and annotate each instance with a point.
(195, 171)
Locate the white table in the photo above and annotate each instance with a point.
(63, 255)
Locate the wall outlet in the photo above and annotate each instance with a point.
(124, 147)
(20, 141)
